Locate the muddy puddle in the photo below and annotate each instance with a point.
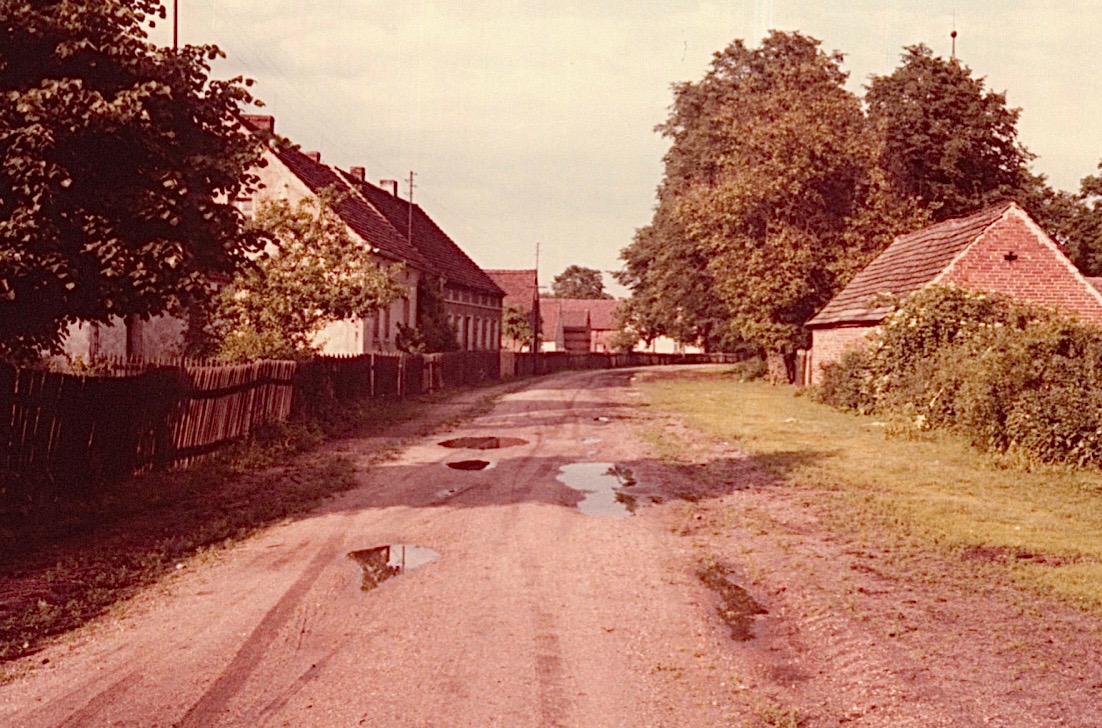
(736, 607)
(483, 443)
(468, 464)
(603, 487)
(383, 562)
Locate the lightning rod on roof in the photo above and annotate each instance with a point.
(953, 36)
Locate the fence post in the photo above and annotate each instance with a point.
(372, 375)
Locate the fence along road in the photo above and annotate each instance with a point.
(64, 436)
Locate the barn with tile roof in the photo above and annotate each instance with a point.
(999, 249)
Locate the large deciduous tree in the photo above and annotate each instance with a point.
(119, 164)
(766, 199)
(944, 138)
(577, 281)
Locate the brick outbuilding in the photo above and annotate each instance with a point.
(1000, 249)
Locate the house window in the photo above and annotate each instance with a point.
(405, 311)
(375, 325)
(386, 323)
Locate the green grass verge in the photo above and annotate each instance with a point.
(1044, 527)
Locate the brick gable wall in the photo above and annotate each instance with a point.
(828, 345)
(1038, 273)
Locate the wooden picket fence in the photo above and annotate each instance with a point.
(64, 436)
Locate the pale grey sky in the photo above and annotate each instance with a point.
(533, 121)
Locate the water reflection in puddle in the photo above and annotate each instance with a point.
(591, 440)
(483, 443)
(382, 562)
(602, 485)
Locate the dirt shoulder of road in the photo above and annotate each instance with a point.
(51, 586)
(863, 623)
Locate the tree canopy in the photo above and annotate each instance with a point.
(579, 282)
(762, 213)
(943, 138)
(121, 161)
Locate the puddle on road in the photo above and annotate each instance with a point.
(383, 562)
(468, 464)
(602, 484)
(591, 440)
(736, 607)
(483, 443)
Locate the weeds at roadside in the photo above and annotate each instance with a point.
(775, 715)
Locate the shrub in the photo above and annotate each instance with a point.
(1008, 376)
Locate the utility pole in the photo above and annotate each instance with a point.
(535, 317)
(175, 24)
(409, 224)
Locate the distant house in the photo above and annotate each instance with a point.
(566, 325)
(522, 291)
(999, 249)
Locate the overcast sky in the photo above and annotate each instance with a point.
(533, 121)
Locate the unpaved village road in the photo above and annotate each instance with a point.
(537, 614)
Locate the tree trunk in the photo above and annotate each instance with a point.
(782, 367)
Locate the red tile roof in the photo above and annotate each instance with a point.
(365, 220)
(521, 286)
(447, 258)
(912, 261)
(600, 311)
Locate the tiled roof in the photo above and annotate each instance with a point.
(366, 221)
(600, 312)
(444, 256)
(912, 261)
(521, 286)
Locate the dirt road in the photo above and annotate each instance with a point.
(533, 611)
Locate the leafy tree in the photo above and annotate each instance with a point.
(579, 282)
(516, 326)
(120, 164)
(315, 274)
(944, 138)
(433, 333)
(673, 291)
(767, 195)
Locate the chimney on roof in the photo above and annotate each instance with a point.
(357, 173)
(313, 156)
(391, 183)
(260, 122)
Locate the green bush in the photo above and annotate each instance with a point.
(1009, 376)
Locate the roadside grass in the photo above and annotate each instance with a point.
(1041, 527)
(64, 566)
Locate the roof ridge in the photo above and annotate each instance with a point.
(912, 260)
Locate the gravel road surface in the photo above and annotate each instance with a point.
(535, 597)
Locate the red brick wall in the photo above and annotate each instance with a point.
(1038, 274)
(828, 345)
